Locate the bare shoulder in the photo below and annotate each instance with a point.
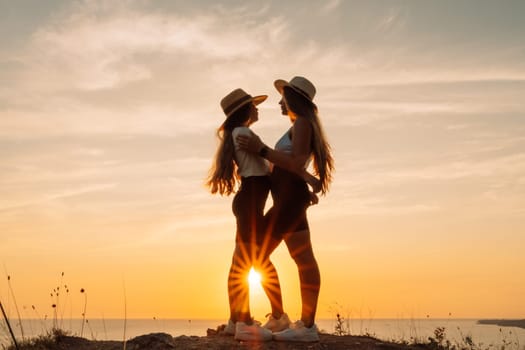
(242, 130)
(302, 128)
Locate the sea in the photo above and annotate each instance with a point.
(457, 331)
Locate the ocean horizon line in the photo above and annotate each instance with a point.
(222, 318)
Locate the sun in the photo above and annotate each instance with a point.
(254, 278)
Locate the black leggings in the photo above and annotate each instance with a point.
(291, 199)
(248, 208)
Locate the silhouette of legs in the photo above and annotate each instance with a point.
(238, 287)
(270, 279)
(300, 248)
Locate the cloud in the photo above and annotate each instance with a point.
(92, 48)
(9, 204)
(373, 206)
(393, 20)
(435, 102)
(499, 168)
(100, 67)
(331, 6)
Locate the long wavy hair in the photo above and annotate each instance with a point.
(223, 176)
(323, 162)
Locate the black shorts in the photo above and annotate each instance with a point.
(291, 199)
(248, 208)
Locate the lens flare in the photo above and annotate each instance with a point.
(254, 278)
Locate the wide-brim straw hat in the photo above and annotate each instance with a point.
(236, 99)
(300, 84)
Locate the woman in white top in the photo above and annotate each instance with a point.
(231, 167)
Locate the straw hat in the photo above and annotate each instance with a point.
(238, 98)
(300, 84)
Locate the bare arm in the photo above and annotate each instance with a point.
(314, 182)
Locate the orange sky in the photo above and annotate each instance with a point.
(107, 118)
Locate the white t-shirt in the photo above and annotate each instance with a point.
(249, 164)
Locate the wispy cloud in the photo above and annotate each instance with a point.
(98, 68)
(330, 6)
(498, 168)
(391, 21)
(435, 102)
(9, 204)
(89, 50)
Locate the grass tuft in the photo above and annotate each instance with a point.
(46, 341)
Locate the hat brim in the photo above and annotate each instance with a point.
(259, 99)
(281, 84)
(256, 100)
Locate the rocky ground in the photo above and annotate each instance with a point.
(213, 341)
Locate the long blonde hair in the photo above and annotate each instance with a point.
(223, 176)
(323, 161)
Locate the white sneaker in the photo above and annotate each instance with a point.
(298, 333)
(277, 324)
(253, 332)
(230, 328)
